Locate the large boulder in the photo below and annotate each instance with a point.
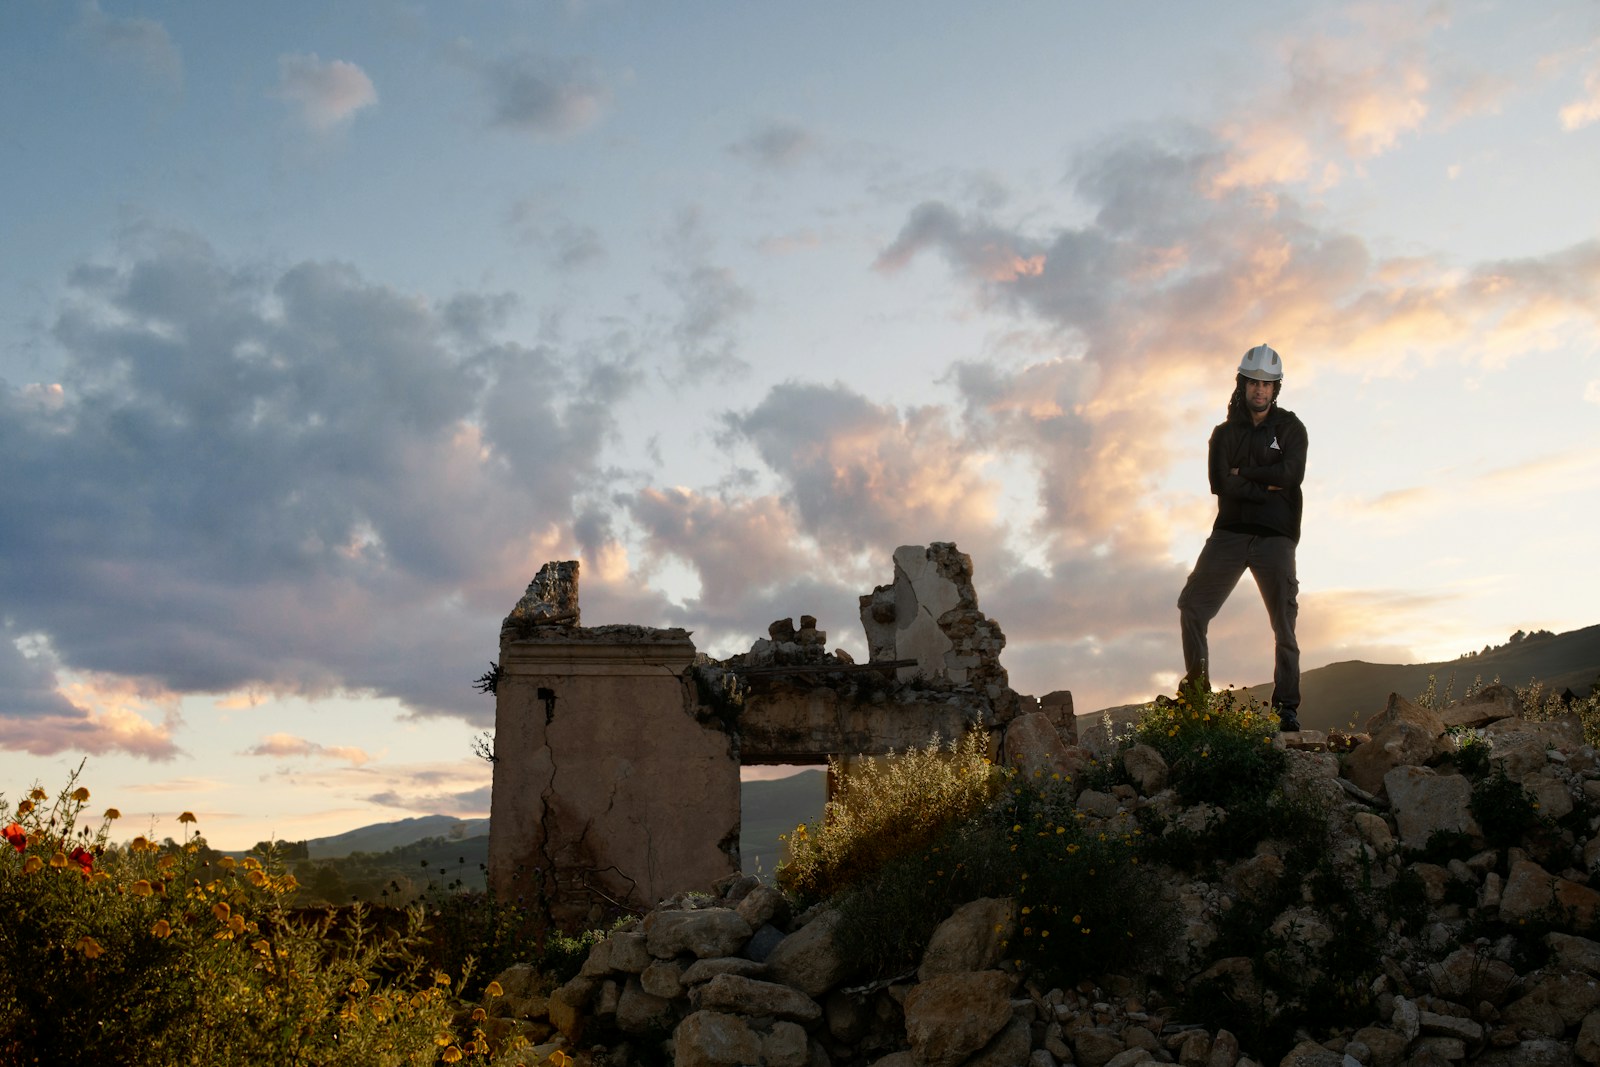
(971, 939)
(1396, 744)
(1034, 743)
(811, 959)
(951, 1016)
(1399, 709)
(1425, 803)
(703, 932)
(1488, 704)
(1532, 892)
(715, 1039)
(749, 996)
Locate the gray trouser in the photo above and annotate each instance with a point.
(1225, 557)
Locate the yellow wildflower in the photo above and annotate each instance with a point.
(257, 878)
(80, 794)
(113, 813)
(32, 864)
(227, 863)
(187, 817)
(141, 888)
(221, 910)
(89, 947)
(478, 1015)
(162, 928)
(37, 794)
(494, 990)
(58, 860)
(451, 1055)
(24, 807)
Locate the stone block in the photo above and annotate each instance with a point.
(951, 1016)
(970, 939)
(1425, 802)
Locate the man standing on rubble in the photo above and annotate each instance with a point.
(1257, 461)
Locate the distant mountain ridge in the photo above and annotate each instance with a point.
(1352, 691)
(384, 836)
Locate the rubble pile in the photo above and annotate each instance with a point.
(1472, 833)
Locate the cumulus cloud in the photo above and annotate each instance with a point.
(141, 43)
(545, 95)
(251, 474)
(284, 745)
(711, 302)
(1585, 108)
(328, 94)
(1353, 92)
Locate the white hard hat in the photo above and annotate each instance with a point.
(1262, 364)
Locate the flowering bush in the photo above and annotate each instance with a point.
(885, 810)
(1218, 747)
(150, 953)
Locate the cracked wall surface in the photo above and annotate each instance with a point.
(610, 790)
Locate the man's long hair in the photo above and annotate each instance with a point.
(1237, 411)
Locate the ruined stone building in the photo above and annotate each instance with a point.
(618, 748)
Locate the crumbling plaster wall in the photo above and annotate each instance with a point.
(612, 787)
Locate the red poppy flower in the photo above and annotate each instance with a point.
(16, 837)
(83, 858)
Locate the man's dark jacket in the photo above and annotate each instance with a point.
(1273, 453)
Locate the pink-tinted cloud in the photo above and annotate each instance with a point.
(1585, 107)
(328, 93)
(284, 745)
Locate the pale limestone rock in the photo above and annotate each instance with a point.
(785, 1045)
(1519, 756)
(1008, 1048)
(1431, 1049)
(1224, 1050)
(713, 1039)
(810, 959)
(1574, 953)
(749, 996)
(763, 905)
(1407, 1019)
(970, 939)
(1563, 734)
(1483, 707)
(1095, 1046)
(1387, 1046)
(1425, 802)
(663, 978)
(639, 1012)
(1451, 1026)
(1042, 1058)
(1131, 1057)
(1532, 891)
(1255, 877)
(1311, 1054)
(1534, 1052)
(1195, 1050)
(1569, 997)
(1550, 794)
(628, 952)
(1374, 830)
(1587, 1047)
(1101, 805)
(705, 970)
(951, 1016)
(1398, 744)
(703, 933)
(1034, 743)
(1399, 709)
(1147, 769)
(1470, 977)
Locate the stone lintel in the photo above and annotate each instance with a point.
(573, 654)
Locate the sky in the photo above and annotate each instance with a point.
(322, 327)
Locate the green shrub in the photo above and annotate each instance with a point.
(1504, 810)
(1218, 748)
(886, 810)
(155, 954)
(1086, 904)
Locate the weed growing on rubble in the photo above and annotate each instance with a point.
(1086, 902)
(885, 810)
(1218, 747)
